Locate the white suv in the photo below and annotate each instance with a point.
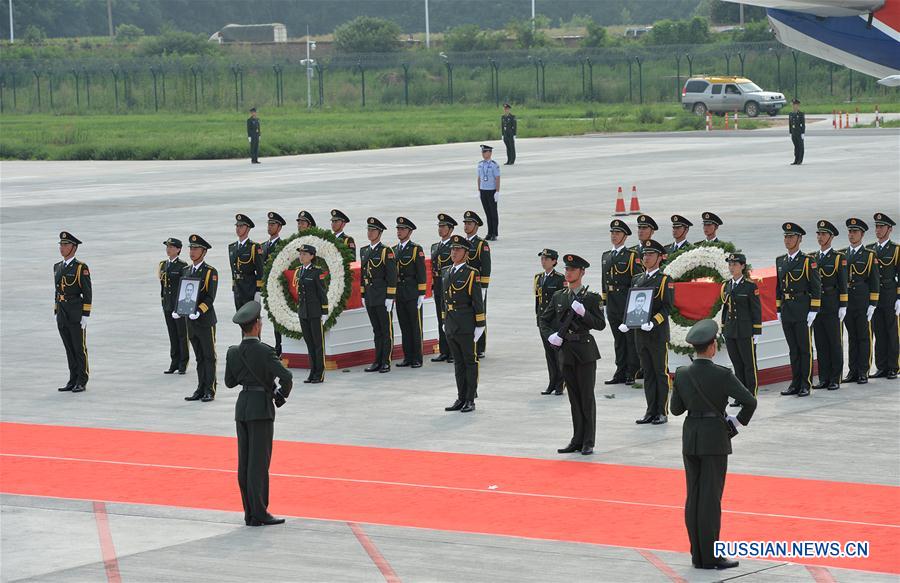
(729, 94)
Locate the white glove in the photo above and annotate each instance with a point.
(484, 294)
(420, 302)
(578, 308)
(194, 316)
(734, 420)
(897, 308)
(869, 311)
(779, 316)
(249, 139)
(388, 305)
(623, 328)
(647, 327)
(497, 196)
(756, 339)
(555, 340)
(324, 317)
(84, 322)
(478, 332)
(443, 328)
(842, 313)
(257, 297)
(175, 316)
(810, 317)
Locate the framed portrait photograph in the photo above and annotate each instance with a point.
(188, 290)
(637, 310)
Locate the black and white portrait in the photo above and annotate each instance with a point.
(637, 311)
(187, 296)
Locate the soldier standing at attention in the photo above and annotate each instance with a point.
(338, 222)
(411, 286)
(255, 366)
(201, 325)
(680, 228)
(862, 297)
(702, 389)
(885, 324)
(798, 297)
(827, 325)
(253, 136)
(711, 224)
(312, 309)
(170, 271)
(741, 322)
(489, 190)
(246, 259)
(546, 283)
(620, 265)
(275, 224)
(378, 287)
(72, 306)
(578, 353)
(797, 127)
(440, 258)
(646, 228)
(464, 320)
(304, 221)
(508, 127)
(479, 257)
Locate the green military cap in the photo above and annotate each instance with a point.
(703, 332)
(572, 260)
(486, 148)
(551, 253)
(198, 241)
(276, 218)
(792, 229)
(795, 101)
(824, 226)
(374, 223)
(680, 221)
(248, 313)
(403, 222)
(446, 220)
(240, 219)
(620, 226)
(651, 246)
(712, 219)
(472, 217)
(883, 219)
(337, 215)
(460, 242)
(506, 105)
(173, 242)
(737, 258)
(67, 237)
(855, 224)
(647, 221)
(308, 249)
(252, 109)
(305, 216)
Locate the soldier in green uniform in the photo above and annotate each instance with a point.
(169, 271)
(711, 224)
(827, 325)
(255, 366)
(652, 338)
(72, 307)
(863, 282)
(247, 264)
(479, 257)
(440, 258)
(620, 265)
(680, 228)
(464, 321)
(411, 287)
(798, 297)
(304, 221)
(566, 323)
(741, 321)
(201, 325)
(338, 223)
(797, 127)
(274, 225)
(546, 283)
(702, 389)
(885, 323)
(379, 287)
(508, 129)
(253, 134)
(312, 309)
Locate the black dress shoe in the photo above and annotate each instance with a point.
(804, 392)
(614, 381)
(879, 374)
(892, 374)
(181, 372)
(480, 355)
(722, 564)
(404, 363)
(629, 381)
(547, 391)
(316, 381)
(373, 367)
(449, 360)
(790, 391)
(66, 388)
(207, 397)
(822, 385)
(307, 380)
(862, 381)
(833, 387)
(416, 365)
(660, 419)
(558, 392)
(571, 448)
(267, 522)
(645, 419)
(195, 397)
(170, 371)
(440, 358)
(79, 389)
(850, 378)
(587, 450)
(385, 368)
(468, 407)
(456, 406)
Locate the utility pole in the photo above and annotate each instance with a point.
(533, 25)
(308, 73)
(12, 37)
(109, 17)
(742, 14)
(427, 28)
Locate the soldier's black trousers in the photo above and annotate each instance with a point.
(884, 327)
(798, 148)
(829, 346)
(859, 343)
(626, 352)
(703, 507)
(74, 339)
(653, 354)
(510, 143)
(314, 336)
(243, 294)
(491, 215)
(179, 351)
(254, 455)
(554, 369)
(799, 340)
(203, 339)
(481, 345)
(580, 379)
(383, 332)
(277, 342)
(410, 319)
(742, 353)
(437, 293)
(254, 149)
(465, 365)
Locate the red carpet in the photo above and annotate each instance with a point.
(558, 500)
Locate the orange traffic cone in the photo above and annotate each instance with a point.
(635, 205)
(620, 205)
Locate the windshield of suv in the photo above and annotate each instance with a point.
(749, 87)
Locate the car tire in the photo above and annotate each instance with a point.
(699, 109)
(751, 109)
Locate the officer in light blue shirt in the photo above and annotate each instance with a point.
(489, 189)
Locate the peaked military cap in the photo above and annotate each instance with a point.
(572, 260)
(647, 221)
(67, 237)
(486, 148)
(276, 218)
(173, 242)
(252, 109)
(405, 223)
(374, 223)
(712, 219)
(308, 249)
(240, 219)
(305, 216)
(620, 226)
(651, 246)
(737, 258)
(248, 313)
(883, 219)
(460, 242)
(795, 100)
(858, 224)
(198, 241)
(703, 332)
(472, 217)
(824, 226)
(551, 253)
(792, 229)
(446, 220)
(680, 221)
(337, 215)
(507, 105)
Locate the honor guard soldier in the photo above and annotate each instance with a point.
(464, 322)
(440, 258)
(546, 283)
(646, 228)
(863, 282)
(741, 322)
(338, 223)
(305, 221)
(247, 264)
(885, 324)
(72, 307)
(508, 130)
(274, 225)
(620, 265)
(798, 297)
(201, 325)
(797, 127)
(255, 366)
(379, 286)
(566, 323)
(680, 228)
(479, 257)
(489, 190)
(169, 272)
(827, 325)
(702, 389)
(253, 136)
(652, 338)
(711, 224)
(412, 282)
(312, 309)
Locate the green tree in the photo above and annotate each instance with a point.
(720, 12)
(595, 36)
(679, 32)
(176, 43)
(753, 32)
(367, 34)
(529, 34)
(128, 33)
(34, 35)
(470, 37)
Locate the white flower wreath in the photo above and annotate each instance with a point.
(705, 256)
